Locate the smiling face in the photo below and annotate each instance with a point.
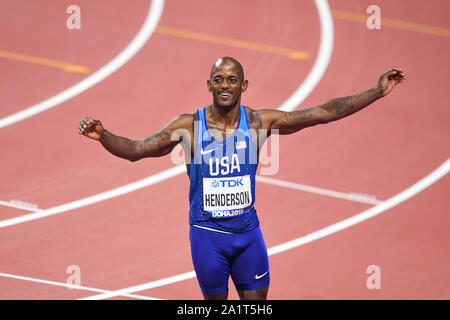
(226, 82)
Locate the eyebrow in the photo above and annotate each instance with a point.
(234, 73)
(231, 75)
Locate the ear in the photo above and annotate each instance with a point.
(244, 85)
(208, 84)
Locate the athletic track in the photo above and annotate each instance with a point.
(371, 189)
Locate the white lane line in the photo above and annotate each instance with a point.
(422, 184)
(164, 175)
(321, 191)
(438, 173)
(71, 286)
(151, 21)
(319, 67)
(20, 205)
(141, 287)
(172, 172)
(322, 60)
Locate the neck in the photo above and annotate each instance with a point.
(228, 115)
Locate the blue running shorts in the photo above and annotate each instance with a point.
(217, 254)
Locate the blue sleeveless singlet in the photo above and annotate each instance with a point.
(222, 179)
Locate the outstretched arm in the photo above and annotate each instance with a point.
(155, 145)
(332, 110)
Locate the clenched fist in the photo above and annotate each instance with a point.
(91, 128)
(389, 79)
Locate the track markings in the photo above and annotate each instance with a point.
(68, 67)
(326, 27)
(326, 192)
(146, 31)
(313, 78)
(231, 42)
(404, 195)
(145, 286)
(379, 208)
(164, 175)
(60, 284)
(181, 33)
(393, 23)
(21, 205)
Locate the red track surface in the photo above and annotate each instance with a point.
(143, 236)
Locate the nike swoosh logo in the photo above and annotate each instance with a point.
(259, 277)
(206, 152)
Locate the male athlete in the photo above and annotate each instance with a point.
(221, 145)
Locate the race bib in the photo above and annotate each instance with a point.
(225, 196)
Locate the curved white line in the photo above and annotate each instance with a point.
(152, 20)
(322, 60)
(164, 175)
(437, 174)
(318, 69)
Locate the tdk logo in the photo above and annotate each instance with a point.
(215, 184)
(227, 183)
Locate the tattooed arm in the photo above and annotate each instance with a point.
(335, 109)
(156, 145)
